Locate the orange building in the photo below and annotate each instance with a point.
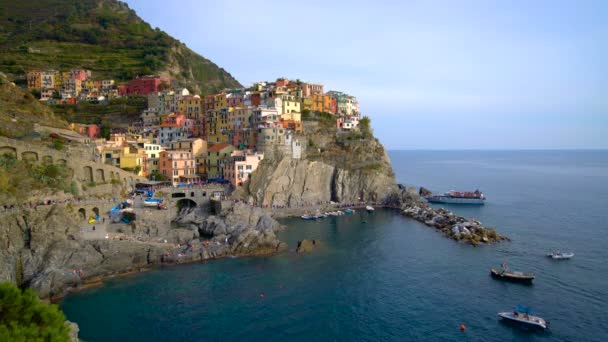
(178, 166)
(324, 103)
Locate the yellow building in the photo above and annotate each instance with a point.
(291, 104)
(306, 103)
(134, 158)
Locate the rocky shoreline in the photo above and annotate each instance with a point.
(451, 225)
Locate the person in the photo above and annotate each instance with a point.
(93, 227)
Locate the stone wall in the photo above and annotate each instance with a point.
(83, 166)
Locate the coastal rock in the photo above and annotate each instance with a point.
(307, 246)
(451, 225)
(340, 173)
(74, 329)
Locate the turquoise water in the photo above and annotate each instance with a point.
(393, 279)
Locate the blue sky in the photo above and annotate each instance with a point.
(431, 74)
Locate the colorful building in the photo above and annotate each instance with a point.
(145, 85)
(240, 165)
(92, 131)
(178, 166)
(216, 155)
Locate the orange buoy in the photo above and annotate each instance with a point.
(463, 327)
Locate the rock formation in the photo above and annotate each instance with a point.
(43, 248)
(451, 225)
(307, 246)
(340, 170)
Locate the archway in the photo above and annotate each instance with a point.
(96, 211)
(11, 151)
(29, 156)
(100, 175)
(88, 174)
(47, 160)
(186, 203)
(83, 213)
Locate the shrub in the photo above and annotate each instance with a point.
(24, 318)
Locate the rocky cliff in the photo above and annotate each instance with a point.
(44, 248)
(338, 167)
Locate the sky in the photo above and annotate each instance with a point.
(430, 74)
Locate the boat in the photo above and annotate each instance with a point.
(557, 255)
(521, 315)
(457, 197)
(514, 276)
(308, 217)
(349, 211)
(369, 208)
(152, 202)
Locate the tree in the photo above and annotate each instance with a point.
(365, 123)
(24, 318)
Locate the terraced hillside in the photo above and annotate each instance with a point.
(105, 36)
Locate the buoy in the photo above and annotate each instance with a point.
(463, 327)
(261, 295)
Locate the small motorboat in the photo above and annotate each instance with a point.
(557, 255)
(308, 217)
(521, 315)
(369, 208)
(514, 276)
(349, 211)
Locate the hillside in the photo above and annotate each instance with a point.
(19, 110)
(105, 36)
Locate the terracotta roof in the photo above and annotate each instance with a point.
(218, 147)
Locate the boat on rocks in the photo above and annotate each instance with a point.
(369, 208)
(513, 276)
(557, 255)
(349, 211)
(152, 202)
(522, 316)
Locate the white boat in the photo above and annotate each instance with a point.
(524, 319)
(152, 202)
(369, 208)
(560, 255)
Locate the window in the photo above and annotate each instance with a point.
(175, 172)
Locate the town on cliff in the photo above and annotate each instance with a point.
(186, 138)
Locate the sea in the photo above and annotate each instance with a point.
(383, 277)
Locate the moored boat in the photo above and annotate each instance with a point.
(457, 197)
(557, 255)
(152, 202)
(514, 276)
(349, 211)
(308, 217)
(522, 316)
(369, 208)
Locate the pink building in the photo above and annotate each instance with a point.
(281, 82)
(145, 85)
(311, 88)
(92, 131)
(240, 165)
(178, 166)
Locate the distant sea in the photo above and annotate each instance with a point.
(391, 278)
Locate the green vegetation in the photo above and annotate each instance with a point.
(105, 36)
(24, 318)
(19, 110)
(121, 110)
(135, 169)
(18, 178)
(365, 126)
(157, 176)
